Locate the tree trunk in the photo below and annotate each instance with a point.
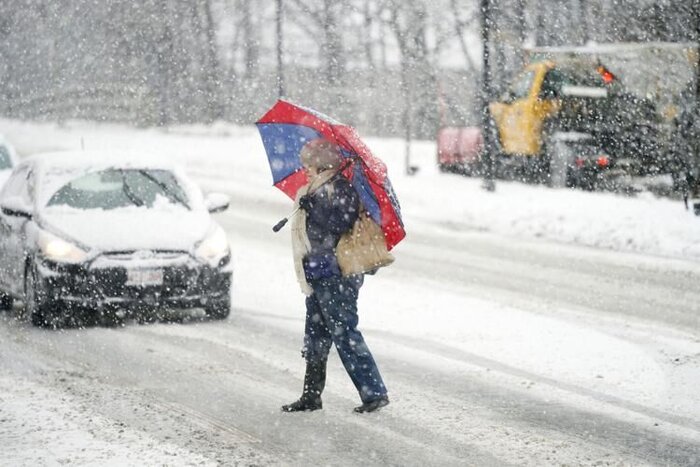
(212, 73)
(332, 51)
(251, 43)
(459, 31)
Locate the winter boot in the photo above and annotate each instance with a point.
(371, 406)
(314, 382)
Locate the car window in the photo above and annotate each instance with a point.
(117, 188)
(520, 88)
(5, 161)
(18, 185)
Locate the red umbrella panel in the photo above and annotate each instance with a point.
(287, 127)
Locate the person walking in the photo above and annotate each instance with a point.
(328, 208)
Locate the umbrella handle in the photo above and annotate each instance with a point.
(279, 225)
(284, 221)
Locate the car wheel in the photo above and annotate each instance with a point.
(36, 307)
(6, 302)
(219, 309)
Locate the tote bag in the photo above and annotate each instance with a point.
(363, 248)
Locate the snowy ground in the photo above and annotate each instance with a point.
(504, 337)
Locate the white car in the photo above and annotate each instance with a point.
(8, 160)
(86, 235)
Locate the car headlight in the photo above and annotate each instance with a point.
(59, 250)
(214, 247)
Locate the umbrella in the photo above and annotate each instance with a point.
(287, 127)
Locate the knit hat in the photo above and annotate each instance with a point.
(321, 154)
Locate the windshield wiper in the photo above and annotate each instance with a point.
(129, 193)
(169, 192)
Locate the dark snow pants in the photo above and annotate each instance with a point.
(331, 318)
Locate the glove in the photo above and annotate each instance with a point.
(305, 202)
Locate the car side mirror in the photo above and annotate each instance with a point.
(217, 202)
(16, 207)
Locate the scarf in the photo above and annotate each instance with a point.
(300, 241)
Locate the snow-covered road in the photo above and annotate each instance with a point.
(497, 349)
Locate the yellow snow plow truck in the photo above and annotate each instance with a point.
(575, 114)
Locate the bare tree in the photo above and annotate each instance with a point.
(408, 21)
(202, 12)
(461, 26)
(325, 27)
(251, 42)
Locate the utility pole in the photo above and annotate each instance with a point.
(694, 132)
(487, 152)
(408, 121)
(280, 70)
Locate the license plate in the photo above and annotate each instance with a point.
(144, 277)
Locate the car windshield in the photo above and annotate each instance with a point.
(5, 162)
(117, 188)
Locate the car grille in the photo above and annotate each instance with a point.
(108, 276)
(104, 280)
(177, 282)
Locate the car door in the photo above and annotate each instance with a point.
(12, 231)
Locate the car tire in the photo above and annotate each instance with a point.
(219, 309)
(36, 306)
(6, 302)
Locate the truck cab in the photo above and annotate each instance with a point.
(569, 97)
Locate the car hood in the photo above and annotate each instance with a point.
(128, 229)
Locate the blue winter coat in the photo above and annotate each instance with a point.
(332, 212)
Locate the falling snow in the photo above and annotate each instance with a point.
(543, 309)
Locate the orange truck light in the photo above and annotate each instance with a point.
(607, 76)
